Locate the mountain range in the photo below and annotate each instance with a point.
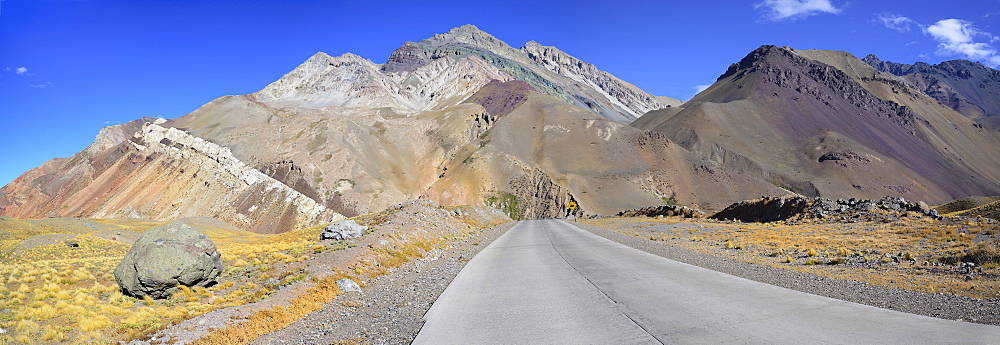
(464, 118)
(969, 87)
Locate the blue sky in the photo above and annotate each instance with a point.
(70, 67)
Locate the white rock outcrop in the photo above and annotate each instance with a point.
(182, 146)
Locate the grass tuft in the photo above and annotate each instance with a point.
(814, 262)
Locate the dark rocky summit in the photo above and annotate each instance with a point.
(405, 59)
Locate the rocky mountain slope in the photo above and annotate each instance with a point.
(825, 123)
(445, 69)
(144, 170)
(342, 135)
(464, 118)
(968, 87)
(546, 153)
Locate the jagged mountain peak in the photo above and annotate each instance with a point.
(324, 58)
(968, 87)
(958, 68)
(468, 30)
(622, 95)
(758, 57)
(446, 68)
(534, 50)
(471, 36)
(405, 59)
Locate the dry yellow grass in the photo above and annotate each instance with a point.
(74, 298)
(923, 247)
(270, 320)
(62, 294)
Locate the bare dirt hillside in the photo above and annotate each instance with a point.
(825, 123)
(546, 153)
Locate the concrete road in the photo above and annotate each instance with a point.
(548, 282)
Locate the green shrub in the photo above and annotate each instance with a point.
(506, 202)
(837, 261)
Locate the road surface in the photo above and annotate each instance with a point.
(548, 282)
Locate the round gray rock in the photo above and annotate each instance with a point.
(165, 257)
(343, 230)
(348, 285)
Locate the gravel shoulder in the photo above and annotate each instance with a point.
(945, 306)
(390, 309)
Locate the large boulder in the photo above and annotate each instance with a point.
(165, 257)
(343, 230)
(665, 210)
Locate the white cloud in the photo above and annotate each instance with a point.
(700, 88)
(959, 37)
(897, 22)
(39, 86)
(794, 9)
(21, 70)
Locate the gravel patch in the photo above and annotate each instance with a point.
(390, 309)
(944, 306)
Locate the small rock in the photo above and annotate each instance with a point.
(2, 331)
(72, 244)
(342, 230)
(348, 285)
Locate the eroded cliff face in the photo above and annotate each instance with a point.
(161, 173)
(541, 198)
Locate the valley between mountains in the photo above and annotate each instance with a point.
(857, 179)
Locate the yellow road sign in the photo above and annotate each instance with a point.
(571, 205)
